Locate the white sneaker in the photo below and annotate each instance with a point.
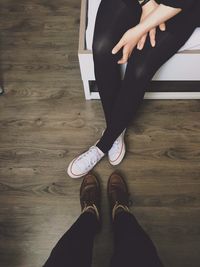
(82, 164)
(117, 151)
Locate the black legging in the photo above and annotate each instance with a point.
(121, 98)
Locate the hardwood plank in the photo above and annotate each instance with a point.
(45, 121)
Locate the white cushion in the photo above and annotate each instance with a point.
(192, 44)
(93, 6)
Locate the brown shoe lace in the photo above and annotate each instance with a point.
(93, 207)
(88, 204)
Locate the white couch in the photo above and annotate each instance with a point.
(184, 66)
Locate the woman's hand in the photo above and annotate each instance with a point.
(147, 9)
(128, 41)
(156, 17)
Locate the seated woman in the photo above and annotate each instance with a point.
(125, 31)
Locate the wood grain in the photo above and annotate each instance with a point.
(45, 121)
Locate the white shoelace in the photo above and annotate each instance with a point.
(89, 159)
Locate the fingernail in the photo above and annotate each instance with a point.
(113, 51)
(163, 27)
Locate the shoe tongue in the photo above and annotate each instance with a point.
(100, 153)
(90, 157)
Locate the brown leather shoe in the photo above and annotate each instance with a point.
(118, 194)
(90, 195)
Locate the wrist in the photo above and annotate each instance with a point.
(149, 4)
(141, 28)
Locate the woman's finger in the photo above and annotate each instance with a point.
(125, 55)
(118, 46)
(142, 42)
(152, 35)
(162, 26)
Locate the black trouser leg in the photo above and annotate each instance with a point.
(121, 102)
(75, 247)
(132, 246)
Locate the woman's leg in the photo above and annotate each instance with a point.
(141, 67)
(114, 18)
(121, 100)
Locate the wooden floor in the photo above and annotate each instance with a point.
(45, 122)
